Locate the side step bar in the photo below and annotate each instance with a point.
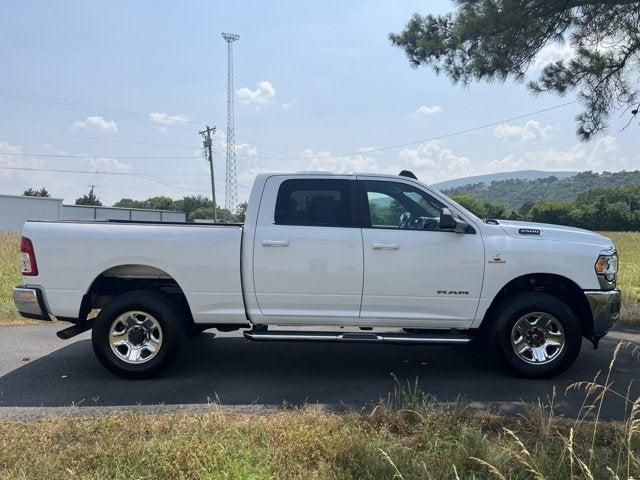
(75, 329)
(356, 337)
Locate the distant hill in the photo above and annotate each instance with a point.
(513, 193)
(496, 177)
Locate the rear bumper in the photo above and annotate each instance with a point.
(29, 302)
(605, 310)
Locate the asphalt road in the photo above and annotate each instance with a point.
(38, 371)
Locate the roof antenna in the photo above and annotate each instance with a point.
(408, 173)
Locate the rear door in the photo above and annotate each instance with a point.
(415, 274)
(308, 259)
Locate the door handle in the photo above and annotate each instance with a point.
(385, 246)
(275, 243)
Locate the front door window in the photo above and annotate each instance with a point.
(398, 205)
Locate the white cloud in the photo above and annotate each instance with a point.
(6, 147)
(510, 163)
(107, 164)
(319, 160)
(424, 110)
(550, 53)
(433, 162)
(165, 120)
(532, 130)
(10, 161)
(289, 105)
(97, 123)
(246, 149)
(168, 120)
(366, 149)
(604, 154)
(15, 181)
(262, 96)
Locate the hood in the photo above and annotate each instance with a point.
(548, 231)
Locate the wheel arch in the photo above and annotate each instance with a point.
(127, 277)
(558, 286)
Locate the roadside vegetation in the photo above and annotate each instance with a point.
(9, 277)
(604, 208)
(195, 207)
(407, 436)
(520, 194)
(628, 244)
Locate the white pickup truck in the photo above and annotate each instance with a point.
(325, 257)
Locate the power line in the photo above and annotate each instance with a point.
(93, 108)
(120, 187)
(416, 142)
(101, 139)
(37, 96)
(343, 154)
(88, 108)
(128, 157)
(97, 172)
(137, 175)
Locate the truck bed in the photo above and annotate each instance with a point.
(204, 259)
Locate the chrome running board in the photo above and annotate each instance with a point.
(356, 337)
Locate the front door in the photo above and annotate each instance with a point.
(308, 262)
(415, 274)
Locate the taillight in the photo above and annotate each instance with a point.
(28, 258)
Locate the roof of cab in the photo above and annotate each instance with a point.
(340, 174)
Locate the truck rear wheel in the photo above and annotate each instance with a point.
(536, 335)
(137, 334)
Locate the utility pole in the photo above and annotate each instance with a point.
(207, 145)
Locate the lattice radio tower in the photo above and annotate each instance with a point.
(231, 185)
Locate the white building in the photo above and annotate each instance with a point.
(17, 209)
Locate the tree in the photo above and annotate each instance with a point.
(159, 203)
(553, 211)
(479, 208)
(31, 192)
(129, 203)
(242, 212)
(191, 203)
(89, 199)
(206, 213)
(472, 204)
(499, 39)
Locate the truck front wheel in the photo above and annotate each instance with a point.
(137, 334)
(535, 334)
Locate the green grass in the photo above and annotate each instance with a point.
(628, 245)
(9, 276)
(407, 436)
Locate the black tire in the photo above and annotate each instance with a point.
(514, 308)
(164, 312)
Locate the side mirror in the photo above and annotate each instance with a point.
(449, 223)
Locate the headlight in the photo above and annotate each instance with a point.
(607, 266)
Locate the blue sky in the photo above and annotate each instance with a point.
(312, 79)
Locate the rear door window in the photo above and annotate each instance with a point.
(315, 202)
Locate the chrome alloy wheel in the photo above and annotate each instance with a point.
(135, 337)
(537, 338)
